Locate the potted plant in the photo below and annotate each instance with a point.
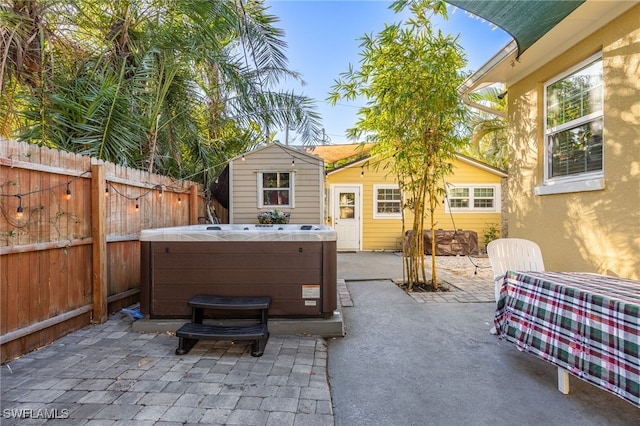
(274, 217)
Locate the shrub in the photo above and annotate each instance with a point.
(273, 217)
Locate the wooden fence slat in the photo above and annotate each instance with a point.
(44, 263)
(22, 293)
(193, 205)
(11, 296)
(99, 236)
(47, 270)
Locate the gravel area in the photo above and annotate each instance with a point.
(464, 266)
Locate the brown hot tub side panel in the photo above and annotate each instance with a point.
(295, 274)
(329, 276)
(145, 276)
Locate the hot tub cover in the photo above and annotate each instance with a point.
(239, 232)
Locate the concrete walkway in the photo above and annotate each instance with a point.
(435, 362)
(404, 361)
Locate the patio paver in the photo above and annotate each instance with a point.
(147, 383)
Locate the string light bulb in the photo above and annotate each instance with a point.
(293, 162)
(137, 205)
(20, 210)
(179, 200)
(67, 193)
(106, 188)
(242, 157)
(361, 172)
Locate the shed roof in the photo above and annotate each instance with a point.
(291, 150)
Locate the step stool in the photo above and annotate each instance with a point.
(190, 333)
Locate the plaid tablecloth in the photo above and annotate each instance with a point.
(587, 324)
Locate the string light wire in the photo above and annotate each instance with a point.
(453, 222)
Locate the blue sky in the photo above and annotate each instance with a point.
(323, 39)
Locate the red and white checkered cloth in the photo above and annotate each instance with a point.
(588, 324)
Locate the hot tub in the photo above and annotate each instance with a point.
(294, 264)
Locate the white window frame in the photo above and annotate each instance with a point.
(291, 187)
(497, 198)
(376, 214)
(587, 181)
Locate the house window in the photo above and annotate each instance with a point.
(387, 201)
(574, 124)
(459, 198)
(275, 189)
(473, 198)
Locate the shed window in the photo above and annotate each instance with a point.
(275, 189)
(574, 123)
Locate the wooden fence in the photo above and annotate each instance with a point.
(69, 249)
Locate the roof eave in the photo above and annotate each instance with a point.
(460, 157)
(348, 165)
(289, 149)
(483, 166)
(483, 77)
(504, 68)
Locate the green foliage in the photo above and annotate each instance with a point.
(410, 74)
(169, 86)
(274, 217)
(488, 132)
(491, 233)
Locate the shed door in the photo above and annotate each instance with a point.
(346, 217)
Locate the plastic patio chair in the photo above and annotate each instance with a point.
(513, 254)
(517, 254)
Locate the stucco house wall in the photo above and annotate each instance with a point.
(307, 172)
(593, 231)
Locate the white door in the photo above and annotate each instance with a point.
(346, 217)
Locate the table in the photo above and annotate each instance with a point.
(586, 324)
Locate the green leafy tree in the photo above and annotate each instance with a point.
(409, 74)
(169, 86)
(489, 131)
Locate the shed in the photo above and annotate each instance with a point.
(272, 177)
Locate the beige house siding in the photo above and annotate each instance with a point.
(308, 178)
(594, 231)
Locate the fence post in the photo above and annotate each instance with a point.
(193, 205)
(99, 246)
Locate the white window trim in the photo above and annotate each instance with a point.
(497, 198)
(291, 204)
(377, 215)
(596, 183)
(590, 181)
